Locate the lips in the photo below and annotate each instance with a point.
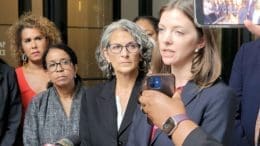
(36, 53)
(167, 53)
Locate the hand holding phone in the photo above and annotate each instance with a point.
(164, 83)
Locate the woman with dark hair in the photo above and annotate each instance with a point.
(150, 25)
(53, 115)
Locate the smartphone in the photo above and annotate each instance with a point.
(226, 13)
(164, 83)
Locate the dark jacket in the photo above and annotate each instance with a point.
(245, 80)
(10, 105)
(212, 108)
(199, 138)
(98, 117)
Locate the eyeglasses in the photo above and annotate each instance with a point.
(130, 47)
(64, 64)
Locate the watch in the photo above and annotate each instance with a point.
(172, 122)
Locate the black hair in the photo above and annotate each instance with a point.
(153, 21)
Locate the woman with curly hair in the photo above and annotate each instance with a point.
(29, 38)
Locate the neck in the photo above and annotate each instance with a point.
(66, 92)
(182, 74)
(33, 66)
(126, 81)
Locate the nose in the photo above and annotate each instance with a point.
(124, 52)
(59, 67)
(167, 38)
(34, 45)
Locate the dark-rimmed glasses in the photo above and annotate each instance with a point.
(131, 47)
(64, 64)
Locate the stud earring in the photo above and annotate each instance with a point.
(197, 50)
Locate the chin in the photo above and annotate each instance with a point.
(167, 61)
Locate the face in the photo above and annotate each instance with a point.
(60, 68)
(33, 43)
(147, 27)
(177, 38)
(123, 62)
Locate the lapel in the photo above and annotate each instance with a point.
(107, 107)
(189, 92)
(131, 106)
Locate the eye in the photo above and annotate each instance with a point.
(39, 38)
(65, 62)
(27, 40)
(116, 47)
(160, 29)
(51, 65)
(132, 46)
(178, 32)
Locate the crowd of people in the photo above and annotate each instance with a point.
(43, 101)
(231, 11)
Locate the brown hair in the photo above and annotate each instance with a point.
(206, 64)
(44, 25)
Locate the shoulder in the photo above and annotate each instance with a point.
(98, 87)
(42, 98)
(250, 47)
(219, 91)
(5, 68)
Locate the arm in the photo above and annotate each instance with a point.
(83, 122)
(253, 28)
(14, 110)
(198, 137)
(30, 129)
(218, 116)
(159, 107)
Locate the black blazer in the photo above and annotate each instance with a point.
(98, 117)
(10, 105)
(199, 138)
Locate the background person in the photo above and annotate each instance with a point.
(29, 37)
(150, 25)
(245, 80)
(53, 115)
(124, 54)
(10, 105)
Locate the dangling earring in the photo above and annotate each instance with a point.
(110, 68)
(24, 58)
(142, 65)
(197, 50)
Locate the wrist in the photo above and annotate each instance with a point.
(171, 124)
(182, 131)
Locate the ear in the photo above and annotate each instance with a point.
(105, 54)
(201, 43)
(76, 68)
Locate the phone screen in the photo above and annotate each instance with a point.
(226, 13)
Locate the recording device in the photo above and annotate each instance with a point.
(164, 83)
(223, 13)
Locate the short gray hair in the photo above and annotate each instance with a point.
(146, 46)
